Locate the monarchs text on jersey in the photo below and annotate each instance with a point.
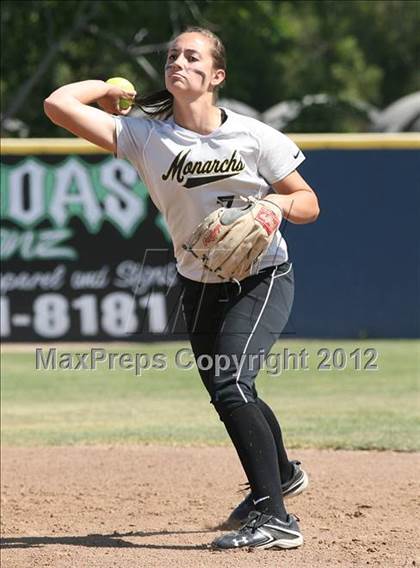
(189, 175)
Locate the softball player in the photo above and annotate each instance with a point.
(194, 157)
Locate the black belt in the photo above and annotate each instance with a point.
(279, 268)
(268, 271)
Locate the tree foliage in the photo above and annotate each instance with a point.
(277, 50)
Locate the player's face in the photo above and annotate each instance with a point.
(189, 68)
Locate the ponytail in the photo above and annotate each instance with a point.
(156, 105)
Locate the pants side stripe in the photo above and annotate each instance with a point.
(250, 336)
(284, 273)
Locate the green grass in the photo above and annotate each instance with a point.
(326, 409)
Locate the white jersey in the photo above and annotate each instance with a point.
(189, 175)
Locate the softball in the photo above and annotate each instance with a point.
(126, 86)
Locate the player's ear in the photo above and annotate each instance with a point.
(219, 75)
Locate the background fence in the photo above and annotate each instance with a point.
(85, 255)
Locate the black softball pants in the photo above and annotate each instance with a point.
(232, 328)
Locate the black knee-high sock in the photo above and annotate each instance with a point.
(284, 464)
(254, 442)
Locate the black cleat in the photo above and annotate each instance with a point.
(296, 484)
(262, 531)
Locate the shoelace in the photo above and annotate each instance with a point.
(255, 520)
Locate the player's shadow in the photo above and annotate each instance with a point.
(113, 540)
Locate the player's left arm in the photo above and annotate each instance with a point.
(296, 199)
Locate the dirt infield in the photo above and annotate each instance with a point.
(155, 506)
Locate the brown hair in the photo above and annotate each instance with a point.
(160, 103)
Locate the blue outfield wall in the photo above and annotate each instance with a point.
(357, 267)
(86, 255)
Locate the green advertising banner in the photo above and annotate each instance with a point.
(85, 254)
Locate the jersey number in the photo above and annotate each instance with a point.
(226, 200)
